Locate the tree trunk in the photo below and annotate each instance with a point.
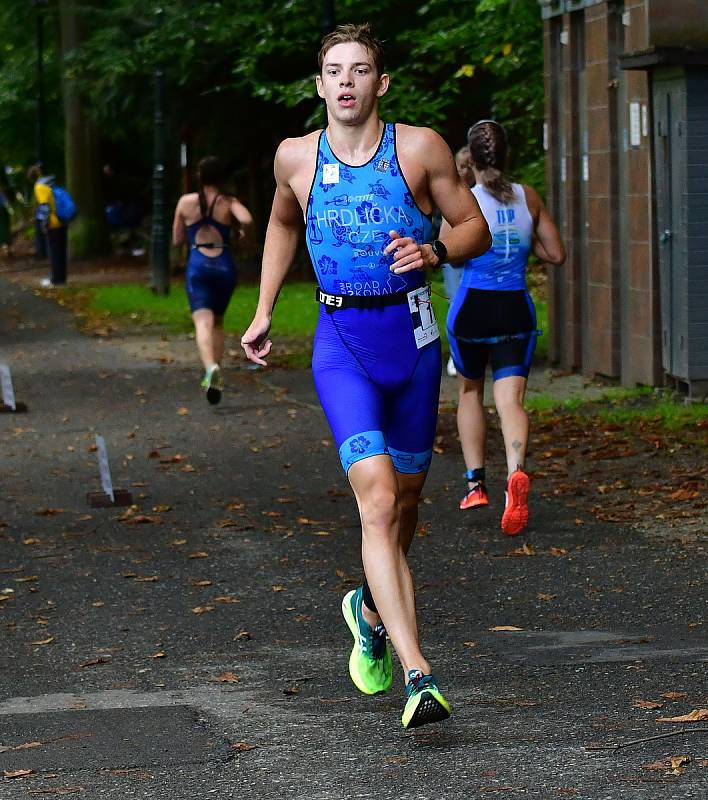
(88, 233)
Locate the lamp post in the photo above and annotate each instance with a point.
(159, 252)
(327, 16)
(39, 5)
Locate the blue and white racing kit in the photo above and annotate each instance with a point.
(377, 376)
(492, 316)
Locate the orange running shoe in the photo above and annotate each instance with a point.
(476, 496)
(516, 513)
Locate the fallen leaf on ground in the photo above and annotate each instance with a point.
(236, 506)
(242, 635)
(161, 509)
(18, 773)
(148, 579)
(526, 550)
(202, 609)
(228, 677)
(27, 579)
(470, 644)
(548, 597)
(44, 641)
(277, 588)
(243, 747)
(159, 654)
(31, 541)
(199, 554)
(49, 512)
(201, 583)
(141, 519)
(292, 690)
(95, 662)
(26, 746)
(178, 542)
(226, 598)
(557, 551)
(58, 790)
(183, 411)
(648, 704)
(697, 715)
(505, 628)
(674, 695)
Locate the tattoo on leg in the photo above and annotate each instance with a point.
(516, 444)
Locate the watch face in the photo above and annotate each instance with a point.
(439, 249)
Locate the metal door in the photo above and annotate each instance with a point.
(669, 95)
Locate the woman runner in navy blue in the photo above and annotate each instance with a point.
(204, 220)
(367, 190)
(492, 318)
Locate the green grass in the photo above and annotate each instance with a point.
(629, 407)
(294, 323)
(294, 318)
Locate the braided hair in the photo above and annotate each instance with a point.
(488, 148)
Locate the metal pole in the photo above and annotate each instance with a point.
(160, 255)
(40, 81)
(328, 16)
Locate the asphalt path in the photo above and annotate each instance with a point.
(192, 646)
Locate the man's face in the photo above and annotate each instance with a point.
(349, 84)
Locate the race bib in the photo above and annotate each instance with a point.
(425, 326)
(330, 173)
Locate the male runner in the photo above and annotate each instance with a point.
(367, 190)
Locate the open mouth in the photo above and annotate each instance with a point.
(346, 100)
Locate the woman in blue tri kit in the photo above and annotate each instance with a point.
(204, 220)
(493, 318)
(367, 191)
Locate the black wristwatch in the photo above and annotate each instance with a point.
(440, 251)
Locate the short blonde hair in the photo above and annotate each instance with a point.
(360, 34)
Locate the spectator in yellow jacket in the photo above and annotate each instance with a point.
(53, 228)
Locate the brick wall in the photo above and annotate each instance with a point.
(603, 304)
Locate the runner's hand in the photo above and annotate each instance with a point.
(408, 254)
(255, 341)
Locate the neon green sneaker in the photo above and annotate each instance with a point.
(370, 662)
(213, 384)
(425, 702)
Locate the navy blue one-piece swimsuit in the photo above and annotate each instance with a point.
(210, 280)
(379, 390)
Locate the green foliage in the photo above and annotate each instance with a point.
(452, 61)
(240, 74)
(18, 85)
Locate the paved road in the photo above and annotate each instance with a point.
(192, 647)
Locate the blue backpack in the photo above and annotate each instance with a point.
(64, 205)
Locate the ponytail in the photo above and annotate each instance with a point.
(488, 149)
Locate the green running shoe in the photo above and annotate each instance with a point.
(213, 384)
(370, 662)
(425, 702)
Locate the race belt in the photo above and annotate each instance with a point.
(334, 301)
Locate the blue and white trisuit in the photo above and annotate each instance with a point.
(210, 280)
(376, 369)
(492, 316)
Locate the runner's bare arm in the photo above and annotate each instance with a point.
(547, 242)
(468, 233)
(179, 231)
(243, 216)
(281, 241)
